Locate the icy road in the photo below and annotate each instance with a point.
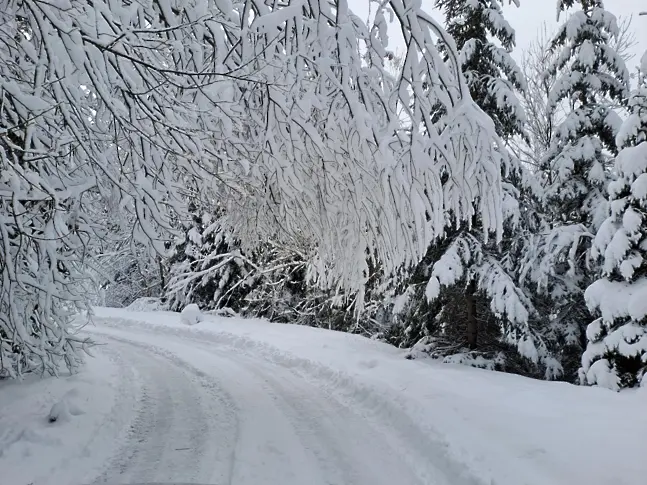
(231, 401)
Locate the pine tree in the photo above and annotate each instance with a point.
(491, 73)
(591, 78)
(616, 355)
(464, 293)
(208, 267)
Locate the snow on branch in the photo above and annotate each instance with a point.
(285, 114)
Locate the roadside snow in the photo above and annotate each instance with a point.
(253, 402)
(146, 304)
(73, 447)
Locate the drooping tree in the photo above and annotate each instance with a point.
(85, 116)
(287, 115)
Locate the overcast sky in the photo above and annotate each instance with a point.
(528, 19)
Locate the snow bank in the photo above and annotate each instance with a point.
(502, 428)
(66, 427)
(191, 315)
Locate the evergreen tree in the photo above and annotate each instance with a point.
(208, 267)
(616, 355)
(464, 294)
(491, 73)
(591, 78)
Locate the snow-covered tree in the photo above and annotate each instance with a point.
(126, 272)
(383, 201)
(86, 88)
(591, 78)
(123, 268)
(286, 290)
(548, 250)
(208, 267)
(493, 77)
(464, 295)
(616, 355)
(286, 113)
(542, 120)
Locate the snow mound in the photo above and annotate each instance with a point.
(191, 314)
(63, 410)
(59, 413)
(146, 305)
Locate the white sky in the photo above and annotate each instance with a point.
(532, 14)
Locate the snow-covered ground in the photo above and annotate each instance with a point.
(247, 402)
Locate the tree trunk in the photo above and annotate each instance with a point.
(161, 270)
(472, 323)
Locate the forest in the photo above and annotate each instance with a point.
(282, 159)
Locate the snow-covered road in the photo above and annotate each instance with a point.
(207, 414)
(248, 402)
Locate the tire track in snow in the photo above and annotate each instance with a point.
(268, 449)
(184, 426)
(326, 410)
(345, 444)
(349, 410)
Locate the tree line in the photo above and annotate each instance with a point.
(280, 161)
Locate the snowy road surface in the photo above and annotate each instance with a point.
(212, 416)
(238, 402)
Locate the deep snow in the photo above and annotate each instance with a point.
(248, 402)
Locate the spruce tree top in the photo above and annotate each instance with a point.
(592, 69)
(592, 78)
(491, 73)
